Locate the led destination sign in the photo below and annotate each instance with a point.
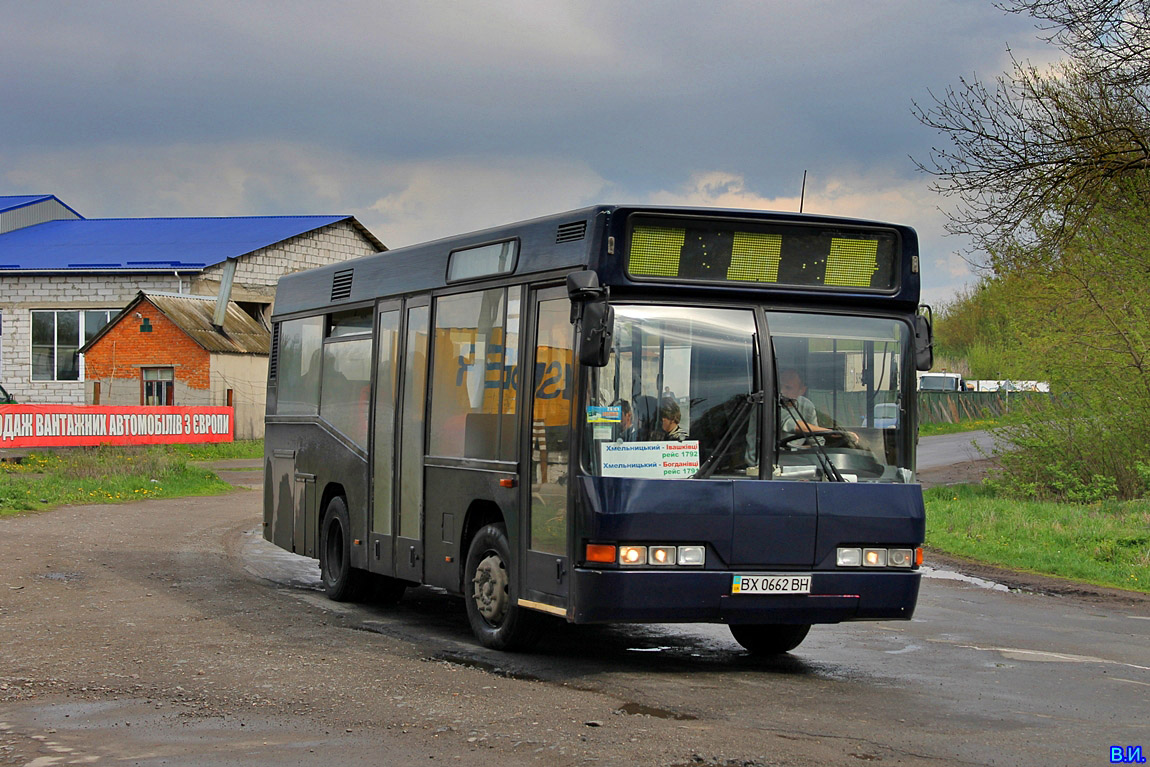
(780, 254)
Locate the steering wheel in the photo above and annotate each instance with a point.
(840, 437)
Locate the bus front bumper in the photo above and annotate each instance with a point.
(645, 596)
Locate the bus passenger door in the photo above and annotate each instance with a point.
(552, 387)
(382, 552)
(409, 468)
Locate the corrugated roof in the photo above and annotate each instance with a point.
(150, 244)
(193, 315)
(14, 201)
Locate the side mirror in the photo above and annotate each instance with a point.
(593, 317)
(924, 339)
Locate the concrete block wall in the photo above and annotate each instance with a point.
(262, 268)
(19, 295)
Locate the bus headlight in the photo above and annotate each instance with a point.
(692, 556)
(900, 557)
(632, 555)
(848, 557)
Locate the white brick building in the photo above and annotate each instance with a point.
(62, 277)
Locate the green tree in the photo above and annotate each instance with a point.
(1050, 171)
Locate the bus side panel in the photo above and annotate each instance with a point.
(860, 514)
(279, 503)
(450, 494)
(321, 462)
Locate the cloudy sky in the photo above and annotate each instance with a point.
(425, 119)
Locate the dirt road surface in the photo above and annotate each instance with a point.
(141, 634)
(133, 634)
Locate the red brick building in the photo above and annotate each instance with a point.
(163, 349)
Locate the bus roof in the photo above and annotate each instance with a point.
(564, 241)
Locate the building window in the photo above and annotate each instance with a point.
(56, 340)
(157, 386)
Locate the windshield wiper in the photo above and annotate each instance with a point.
(824, 460)
(740, 416)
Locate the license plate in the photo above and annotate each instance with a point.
(771, 584)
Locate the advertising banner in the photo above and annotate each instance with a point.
(87, 425)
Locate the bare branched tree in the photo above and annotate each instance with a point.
(1029, 156)
(1113, 37)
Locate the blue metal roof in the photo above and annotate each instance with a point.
(14, 201)
(139, 244)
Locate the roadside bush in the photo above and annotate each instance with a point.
(1073, 450)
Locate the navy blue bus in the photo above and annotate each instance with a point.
(615, 414)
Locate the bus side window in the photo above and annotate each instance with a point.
(471, 414)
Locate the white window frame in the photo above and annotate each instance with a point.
(83, 339)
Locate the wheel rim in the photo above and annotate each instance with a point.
(490, 588)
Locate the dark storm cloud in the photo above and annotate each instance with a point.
(642, 95)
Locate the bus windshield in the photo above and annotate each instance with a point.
(840, 407)
(675, 376)
(681, 396)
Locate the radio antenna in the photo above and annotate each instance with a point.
(803, 193)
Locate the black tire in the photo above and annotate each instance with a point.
(769, 640)
(341, 581)
(491, 596)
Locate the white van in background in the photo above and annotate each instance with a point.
(941, 382)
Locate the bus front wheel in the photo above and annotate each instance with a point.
(769, 640)
(341, 582)
(491, 594)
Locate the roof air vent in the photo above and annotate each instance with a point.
(576, 230)
(341, 285)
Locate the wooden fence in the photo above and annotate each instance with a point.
(954, 407)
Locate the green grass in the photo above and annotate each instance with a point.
(935, 429)
(1106, 543)
(113, 475)
(220, 451)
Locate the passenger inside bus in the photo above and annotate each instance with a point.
(628, 432)
(669, 417)
(646, 413)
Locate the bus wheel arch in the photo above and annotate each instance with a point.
(489, 588)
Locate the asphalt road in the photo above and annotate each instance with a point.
(947, 449)
(981, 675)
(170, 633)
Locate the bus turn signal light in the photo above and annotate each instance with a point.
(597, 552)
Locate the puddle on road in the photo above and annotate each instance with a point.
(949, 575)
(63, 577)
(638, 709)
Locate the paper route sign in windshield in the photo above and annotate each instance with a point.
(650, 460)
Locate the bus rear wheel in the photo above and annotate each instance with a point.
(769, 640)
(341, 581)
(491, 595)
